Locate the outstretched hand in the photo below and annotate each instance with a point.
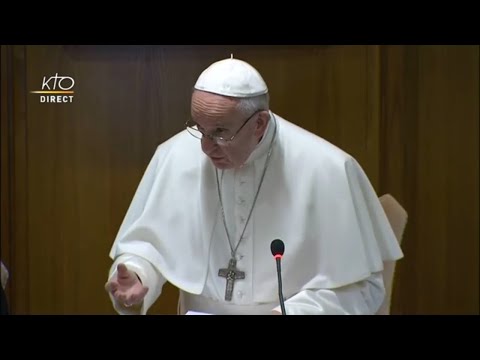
(126, 287)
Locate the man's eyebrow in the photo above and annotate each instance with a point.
(219, 126)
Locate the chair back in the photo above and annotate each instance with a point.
(397, 216)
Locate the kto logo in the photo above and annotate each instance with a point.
(56, 89)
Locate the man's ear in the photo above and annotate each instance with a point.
(262, 122)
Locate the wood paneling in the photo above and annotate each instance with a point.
(447, 177)
(408, 114)
(430, 163)
(398, 158)
(6, 137)
(15, 246)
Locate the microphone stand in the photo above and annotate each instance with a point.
(280, 292)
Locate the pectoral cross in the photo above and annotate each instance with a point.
(231, 274)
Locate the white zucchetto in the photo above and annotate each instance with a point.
(232, 77)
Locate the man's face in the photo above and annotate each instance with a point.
(217, 116)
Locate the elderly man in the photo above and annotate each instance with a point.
(239, 176)
(3, 297)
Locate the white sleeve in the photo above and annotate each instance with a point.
(149, 276)
(362, 298)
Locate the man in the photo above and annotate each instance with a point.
(215, 196)
(3, 302)
(3, 297)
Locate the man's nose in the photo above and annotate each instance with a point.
(208, 144)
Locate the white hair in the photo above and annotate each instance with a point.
(248, 106)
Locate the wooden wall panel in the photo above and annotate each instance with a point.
(398, 158)
(83, 160)
(407, 113)
(429, 162)
(15, 249)
(6, 123)
(447, 176)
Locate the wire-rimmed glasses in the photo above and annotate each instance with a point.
(218, 137)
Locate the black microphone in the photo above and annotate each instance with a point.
(278, 247)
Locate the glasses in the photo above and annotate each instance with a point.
(216, 137)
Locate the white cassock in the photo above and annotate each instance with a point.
(315, 197)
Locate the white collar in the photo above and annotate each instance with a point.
(264, 145)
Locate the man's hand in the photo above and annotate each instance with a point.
(126, 287)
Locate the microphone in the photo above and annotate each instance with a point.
(278, 247)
